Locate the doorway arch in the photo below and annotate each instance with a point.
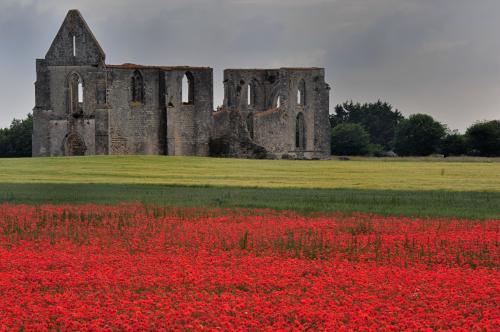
(74, 145)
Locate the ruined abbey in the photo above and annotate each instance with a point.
(84, 106)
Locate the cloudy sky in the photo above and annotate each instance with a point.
(440, 57)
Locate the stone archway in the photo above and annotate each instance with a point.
(74, 145)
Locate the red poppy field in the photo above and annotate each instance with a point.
(136, 267)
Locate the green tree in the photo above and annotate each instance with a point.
(419, 135)
(15, 141)
(379, 119)
(350, 139)
(484, 138)
(454, 144)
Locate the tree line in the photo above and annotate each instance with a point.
(379, 130)
(15, 141)
(375, 129)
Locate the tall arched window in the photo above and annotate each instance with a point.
(75, 85)
(249, 121)
(249, 94)
(300, 132)
(301, 93)
(80, 92)
(188, 88)
(137, 87)
(254, 93)
(278, 102)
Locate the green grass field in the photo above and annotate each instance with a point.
(355, 174)
(466, 188)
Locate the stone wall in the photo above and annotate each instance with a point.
(269, 105)
(230, 137)
(188, 123)
(135, 127)
(269, 129)
(57, 88)
(41, 135)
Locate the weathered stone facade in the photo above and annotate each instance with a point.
(87, 107)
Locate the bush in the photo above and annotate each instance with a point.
(15, 141)
(375, 150)
(454, 144)
(419, 135)
(484, 138)
(350, 139)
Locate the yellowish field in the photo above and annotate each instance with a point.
(397, 174)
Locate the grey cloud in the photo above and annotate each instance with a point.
(434, 56)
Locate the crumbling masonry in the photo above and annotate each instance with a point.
(87, 107)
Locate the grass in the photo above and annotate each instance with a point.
(465, 188)
(390, 174)
(471, 205)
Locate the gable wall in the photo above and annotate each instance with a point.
(88, 50)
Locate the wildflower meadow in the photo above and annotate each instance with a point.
(145, 267)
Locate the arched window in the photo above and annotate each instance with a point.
(278, 102)
(300, 132)
(137, 87)
(188, 88)
(301, 93)
(249, 121)
(249, 94)
(76, 93)
(80, 92)
(254, 93)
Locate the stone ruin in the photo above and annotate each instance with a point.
(84, 106)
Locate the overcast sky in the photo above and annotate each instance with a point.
(440, 57)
